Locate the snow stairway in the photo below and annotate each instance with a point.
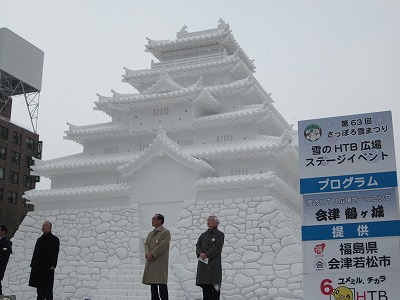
(126, 283)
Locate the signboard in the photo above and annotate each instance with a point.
(348, 182)
(361, 255)
(351, 226)
(350, 230)
(353, 286)
(349, 207)
(355, 144)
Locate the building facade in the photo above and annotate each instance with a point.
(199, 137)
(18, 147)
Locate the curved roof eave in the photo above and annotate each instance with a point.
(162, 144)
(97, 191)
(268, 180)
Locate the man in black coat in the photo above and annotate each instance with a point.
(44, 261)
(209, 266)
(5, 251)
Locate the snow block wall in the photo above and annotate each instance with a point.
(92, 243)
(261, 256)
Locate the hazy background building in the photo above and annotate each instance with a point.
(21, 66)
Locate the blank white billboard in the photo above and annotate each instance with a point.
(21, 59)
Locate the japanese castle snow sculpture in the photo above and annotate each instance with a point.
(200, 137)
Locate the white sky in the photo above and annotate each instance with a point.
(317, 58)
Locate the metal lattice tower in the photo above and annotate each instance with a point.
(11, 86)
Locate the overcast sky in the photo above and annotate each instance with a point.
(317, 58)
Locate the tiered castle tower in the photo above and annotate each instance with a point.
(201, 137)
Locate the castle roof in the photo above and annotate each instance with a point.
(248, 112)
(162, 145)
(82, 162)
(95, 191)
(139, 79)
(261, 146)
(220, 36)
(248, 87)
(268, 123)
(268, 179)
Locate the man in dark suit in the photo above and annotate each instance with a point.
(5, 251)
(209, 266)
(44, 261)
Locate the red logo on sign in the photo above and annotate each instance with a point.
(319, 248)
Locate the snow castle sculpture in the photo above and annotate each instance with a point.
(201, 137)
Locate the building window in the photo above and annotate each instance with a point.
(15, 156)
(1, 194)
(225, 138)
(3, 152)
(30, 143)
(25, 203)
(160, 111)
(29, 161)
(17, 137)
(27, 181)
(14, 177)
(4, 133)
(2, 173)
(12, 197)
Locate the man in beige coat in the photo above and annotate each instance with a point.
(156, 249)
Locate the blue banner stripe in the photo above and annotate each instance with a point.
(351, 182)
(351, 230)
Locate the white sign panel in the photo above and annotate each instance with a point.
(354, 144)
(352, 286)
(356, 255)
(348, 207)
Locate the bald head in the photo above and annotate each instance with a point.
(46, 227)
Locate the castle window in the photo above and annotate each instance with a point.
(92, 182)
(124, 180)
(185, 142)
(239, 171)
(111, 150)
(143, 147)
(224, 138)
(208, 82)
(160, 111)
